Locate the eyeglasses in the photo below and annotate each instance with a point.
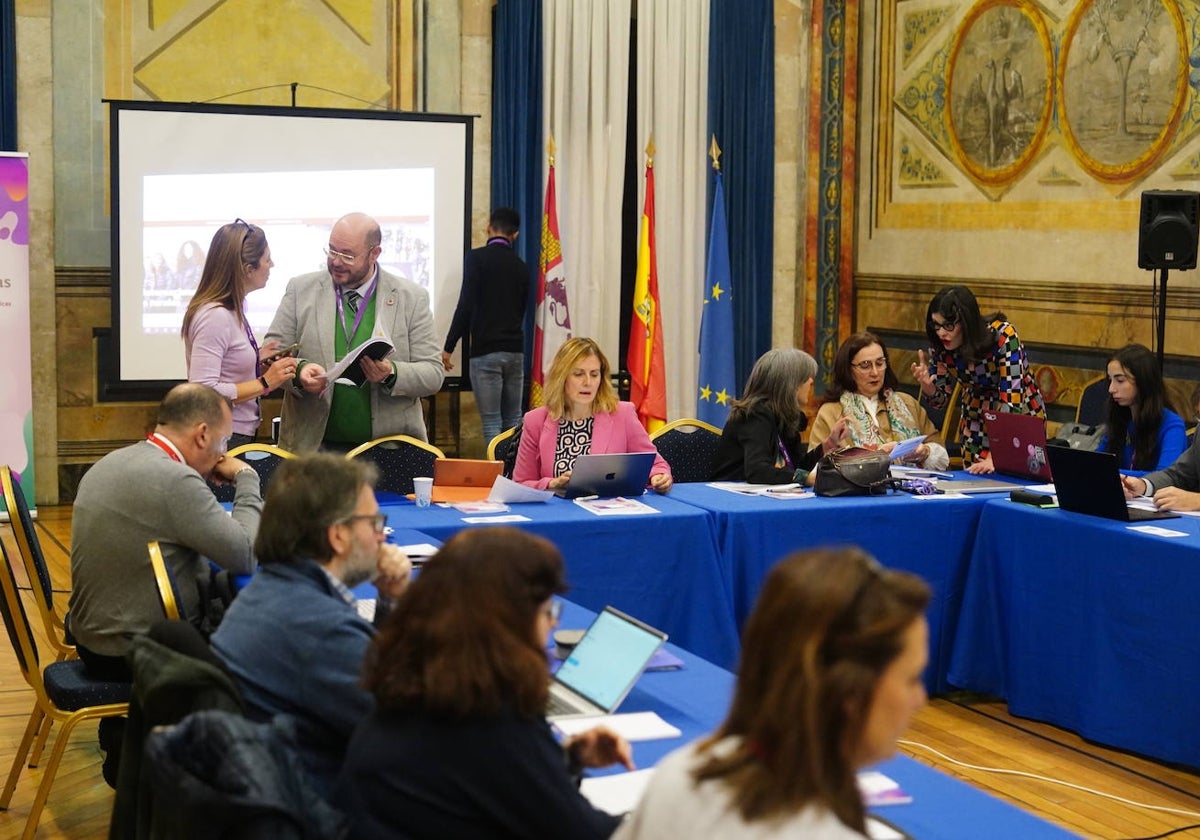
(347, 259)
(240, 221)
(944, 326)
(223, 445)
(554, 610)
(378, 520)
(870, 364)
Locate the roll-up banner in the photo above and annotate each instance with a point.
(16, 385)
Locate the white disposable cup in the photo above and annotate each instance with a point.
(423, 490)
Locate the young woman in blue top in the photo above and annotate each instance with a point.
(1142, 431)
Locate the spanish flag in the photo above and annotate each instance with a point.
(552, 319)
(645, 358)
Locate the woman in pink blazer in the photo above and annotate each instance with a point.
(581, 415)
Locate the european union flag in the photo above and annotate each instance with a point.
(717, 388)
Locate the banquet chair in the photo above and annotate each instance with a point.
(948, 419)
(503, 447)
(688, 446)
(1093, 402)
(400, 459)
(29, 547)
(264, 457)
(162, 579)
(63, 693)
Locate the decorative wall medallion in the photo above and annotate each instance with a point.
(1122, 84)
(1000, 89)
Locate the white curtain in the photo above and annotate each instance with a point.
(586, 67)
(672, 96)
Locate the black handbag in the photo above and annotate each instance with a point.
(853, 472)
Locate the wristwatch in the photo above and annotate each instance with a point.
(262, 380)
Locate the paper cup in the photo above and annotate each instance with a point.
(423, 490)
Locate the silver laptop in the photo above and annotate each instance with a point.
(975, 485)
(620, 474)
(603, 667)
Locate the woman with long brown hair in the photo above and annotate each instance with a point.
(830, 675)
(222, 351)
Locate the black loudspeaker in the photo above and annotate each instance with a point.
(1167, 231)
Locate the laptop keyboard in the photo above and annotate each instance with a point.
(558, 706)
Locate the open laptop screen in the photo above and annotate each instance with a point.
(609, 658)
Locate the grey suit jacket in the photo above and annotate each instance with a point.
(307, 316)
(1184, 473)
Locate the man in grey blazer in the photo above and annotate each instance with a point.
(1175, 488)
(332, 311)
(156, 490)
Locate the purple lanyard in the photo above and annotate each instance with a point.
(787, 459)
(362, 307)
(253, 344)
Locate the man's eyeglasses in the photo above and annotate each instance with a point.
(378, 520)
(870, 364)
(554, 610)
(943, 326)
(346, 259)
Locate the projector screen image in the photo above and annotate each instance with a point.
(182, 171)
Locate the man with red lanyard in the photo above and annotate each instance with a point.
(156, 490)
(330, 312)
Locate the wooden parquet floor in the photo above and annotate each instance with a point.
(971, 729)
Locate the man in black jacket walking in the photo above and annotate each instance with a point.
(491, 312)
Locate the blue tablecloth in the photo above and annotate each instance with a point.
(696, 697)
(663, 568)
(1087, 624)
(931, 537)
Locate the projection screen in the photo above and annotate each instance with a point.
(179, 171)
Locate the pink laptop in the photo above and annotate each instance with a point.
(1018, 444)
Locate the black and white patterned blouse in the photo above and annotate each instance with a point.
(574, 439)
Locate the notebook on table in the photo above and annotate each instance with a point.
(464, 479)
(1089, 482)
(1017, 443)
(618, 474)
(603, 666)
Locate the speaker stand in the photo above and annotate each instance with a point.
(1162, 319)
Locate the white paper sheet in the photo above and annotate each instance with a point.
(419, 549)
(635, 726)
(617, 506)
(906, 447)
(618, 794)
(1157, 531)
(744, 489)
(496, 520)
(510, 492)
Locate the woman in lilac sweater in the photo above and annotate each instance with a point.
(222, 352)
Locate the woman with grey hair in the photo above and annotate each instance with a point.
(761, 441)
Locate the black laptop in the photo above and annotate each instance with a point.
(1089, 482)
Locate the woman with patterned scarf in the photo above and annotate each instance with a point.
(864, 390)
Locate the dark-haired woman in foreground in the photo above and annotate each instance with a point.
(986, 357)
(830, 676)
(458, 744)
